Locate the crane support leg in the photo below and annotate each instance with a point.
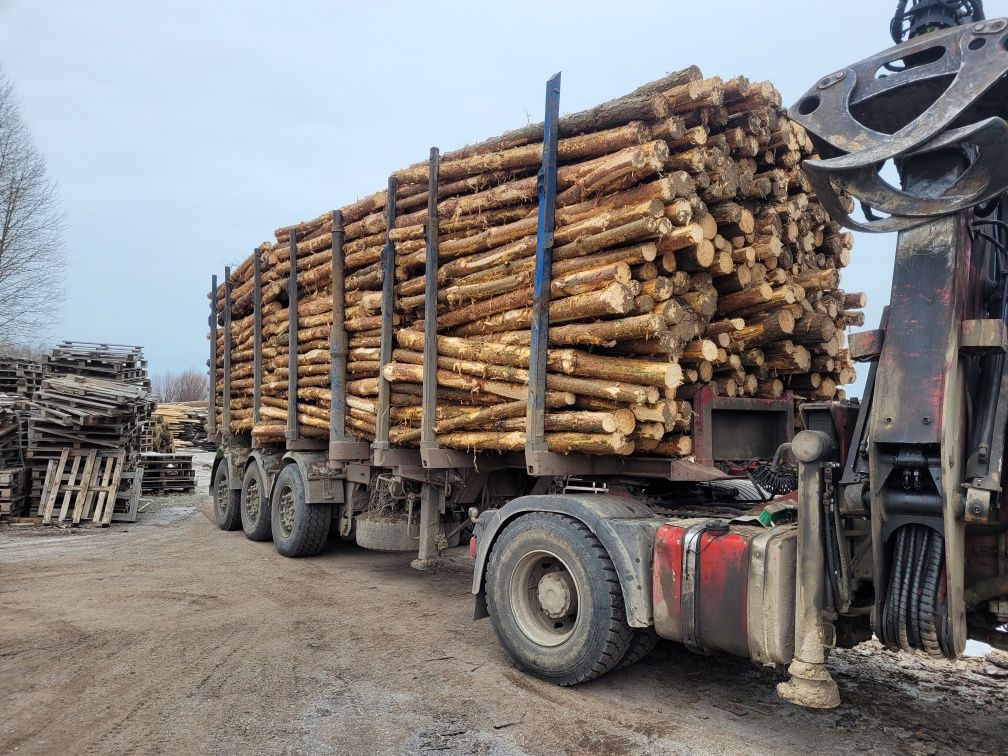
(811, 683)
(431, 533)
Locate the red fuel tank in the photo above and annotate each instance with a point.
(720, 587)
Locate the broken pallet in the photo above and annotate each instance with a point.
(88, 486)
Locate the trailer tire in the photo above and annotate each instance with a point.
(644, 641)
(555, 600)
(255, 505)
(226, 506)
(299, 529)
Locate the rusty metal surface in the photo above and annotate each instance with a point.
(950, 91)
(734, 428)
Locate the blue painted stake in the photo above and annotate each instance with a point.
(535, 438)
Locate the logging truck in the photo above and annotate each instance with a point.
(882, 516)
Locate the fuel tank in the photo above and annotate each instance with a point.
(731, 588)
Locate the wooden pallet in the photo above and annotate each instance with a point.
(165, 473)
(12, 490)
(127, 500)
(88, 485)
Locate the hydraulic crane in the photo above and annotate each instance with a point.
(922, 466)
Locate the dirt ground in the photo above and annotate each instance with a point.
(171, 636)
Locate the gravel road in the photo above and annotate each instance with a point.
(170, 636)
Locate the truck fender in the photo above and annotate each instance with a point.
(625, 527)
(235, 456)
(321, 487)
(217, 461)
(269, 464)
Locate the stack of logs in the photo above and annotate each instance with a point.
(689, 251)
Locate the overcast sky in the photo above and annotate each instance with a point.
(181, 134)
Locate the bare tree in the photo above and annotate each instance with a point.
(31, 231)
(185, 386)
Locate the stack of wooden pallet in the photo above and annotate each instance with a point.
(73, 415)
(155, 435)
(186, 423)
(19, 376)
(110, 362)
(13, 441)
(12, 489)
(11, 422)
(167, 473)
(689, 251)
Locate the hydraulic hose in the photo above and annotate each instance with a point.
(929, 595)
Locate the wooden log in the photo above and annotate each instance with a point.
(612, 300)
(562, 443)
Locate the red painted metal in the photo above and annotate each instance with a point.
(472, 547)
(721, 587)
(666, 582)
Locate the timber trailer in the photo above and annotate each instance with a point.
(896, 526)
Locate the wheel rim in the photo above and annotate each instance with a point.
(287, 511)
(222, 495)
(544, 598)
(252, 499)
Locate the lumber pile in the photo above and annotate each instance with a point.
(688, 251)
(185, 423)
(167, 473)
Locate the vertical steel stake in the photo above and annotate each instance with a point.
(428, 439)
(535, 438)
(226, 402)
(212, 401)
(383, 421)
(257, 365)
(338, 343)
(293, 432)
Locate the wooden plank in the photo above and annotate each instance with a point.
(52, 487)
(102, 489)
(84, 495)
(119, 462)
(70, 489)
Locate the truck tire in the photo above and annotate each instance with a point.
(643, 643)
(299, 529)
(555, 600)
(255, 505)
(227, 508)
